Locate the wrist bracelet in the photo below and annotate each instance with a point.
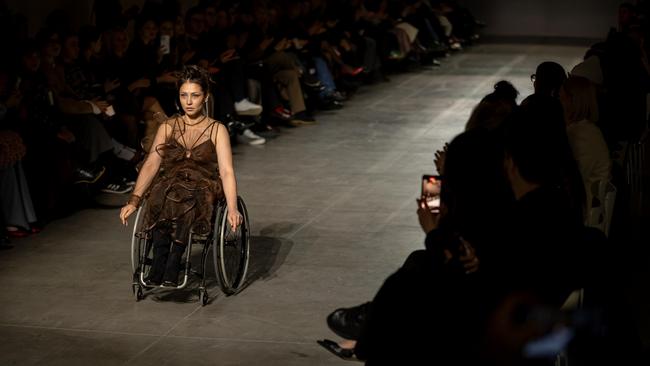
(134, 200)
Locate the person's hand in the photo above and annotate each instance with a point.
(299, 43)
(428, 220)
(234, 218)
(439, 159)
(469, 259)
(282, 45)
(65, 135)
(110, 85)
(228, 55)
(140, 83)
(102, 105)
(126, 212)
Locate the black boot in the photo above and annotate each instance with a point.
(160, 253)
(173, 265)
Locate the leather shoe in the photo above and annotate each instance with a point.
(347, 322)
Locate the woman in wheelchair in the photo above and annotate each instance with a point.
(188, 169)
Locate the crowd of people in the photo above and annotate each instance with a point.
(521, 226)
(80, 107)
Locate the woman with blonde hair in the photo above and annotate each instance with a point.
(578, 97)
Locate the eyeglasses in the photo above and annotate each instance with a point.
(532, 78)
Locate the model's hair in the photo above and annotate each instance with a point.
(194, 74)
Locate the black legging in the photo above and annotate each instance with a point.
(166, 257)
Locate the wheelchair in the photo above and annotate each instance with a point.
(230, 253)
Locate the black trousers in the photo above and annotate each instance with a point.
(421, 315)
(167, 257)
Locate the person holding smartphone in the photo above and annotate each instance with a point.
(436, 291)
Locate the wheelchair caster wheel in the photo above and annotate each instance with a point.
(139, 295)
(203, 297)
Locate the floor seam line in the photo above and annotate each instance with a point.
(167, 335)
(162, 336)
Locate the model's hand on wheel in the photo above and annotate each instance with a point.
(126, 212)
(234, 219)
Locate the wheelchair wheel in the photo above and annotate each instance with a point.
(231, 249)
(139, 244)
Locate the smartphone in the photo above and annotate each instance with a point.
(430, 191)
(165, 44)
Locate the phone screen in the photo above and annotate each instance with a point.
(165, 44)
(431, 185)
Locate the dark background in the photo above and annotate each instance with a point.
(538, 18)
(547, 18)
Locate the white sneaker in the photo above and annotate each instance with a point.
(246, 108)
(251, 138)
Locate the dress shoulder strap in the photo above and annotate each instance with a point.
(212, 127)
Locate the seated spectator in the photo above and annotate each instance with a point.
(626, 74)
(494, 108)
(131, 94)
(17, 208)
(286, 75)
(220, 52)
(590, 68)
(538, 164)
(437, 291)
(578, 97)
(54, 158)
(549, 109)
(153, 83)
(69, 89)
(490, 114)
(548, 78)
(539, 245)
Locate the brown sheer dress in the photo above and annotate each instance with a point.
(183, 194)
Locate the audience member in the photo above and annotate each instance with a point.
(494, 108)
(548, 78)
(578, 97)
(435, 297)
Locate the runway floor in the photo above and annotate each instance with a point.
(333, 213)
